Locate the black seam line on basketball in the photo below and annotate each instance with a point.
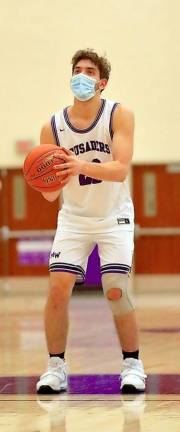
(40, 157)
(44, 174)
(54, 130)
(111, 118)
(99, 114)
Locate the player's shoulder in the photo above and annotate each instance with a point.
(120, 108)
(46, 134)
(46, 126)
(123, 109)
(123, 118)
(124, 114)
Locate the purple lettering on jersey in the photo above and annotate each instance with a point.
(76, 150)
(83, 180)
(90, 146)
(81, 148)
(93, 145)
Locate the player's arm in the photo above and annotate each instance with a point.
(122, 151)
(47, 137)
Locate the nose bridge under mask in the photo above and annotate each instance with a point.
(83, 86)
(83, 79)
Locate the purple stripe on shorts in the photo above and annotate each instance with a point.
(115, 268)
(114, 271)
(115, 265)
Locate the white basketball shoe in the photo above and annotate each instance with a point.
(54, 380)
(132, 376)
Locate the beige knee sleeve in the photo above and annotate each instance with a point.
(122, 303)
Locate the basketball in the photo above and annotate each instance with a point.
(38, 168)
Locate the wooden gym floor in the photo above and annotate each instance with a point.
(93, 400)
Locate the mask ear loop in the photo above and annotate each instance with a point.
(98, 89)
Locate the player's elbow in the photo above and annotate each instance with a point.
(122, 172)
(123, 176)
(50, 196)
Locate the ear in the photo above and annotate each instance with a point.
(103, 83)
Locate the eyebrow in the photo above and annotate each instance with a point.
(87, 68)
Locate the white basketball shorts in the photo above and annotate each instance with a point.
(74, 242)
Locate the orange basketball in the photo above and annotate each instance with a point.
(38, 168)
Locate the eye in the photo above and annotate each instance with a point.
(92, 73)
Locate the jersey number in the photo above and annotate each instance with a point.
(83, 180)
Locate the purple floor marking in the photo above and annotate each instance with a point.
(93, 384)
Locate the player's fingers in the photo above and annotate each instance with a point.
(63, 172)
(58, 156)
(65, 181)
(65, 157)
(68, 152)
(61, 166)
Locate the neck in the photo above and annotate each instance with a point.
(86, 109)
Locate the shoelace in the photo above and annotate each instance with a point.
(57, 371)
(135, 369)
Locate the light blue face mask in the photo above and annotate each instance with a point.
(83, 86)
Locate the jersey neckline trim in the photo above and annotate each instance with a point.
(111, 119)
(74, 129)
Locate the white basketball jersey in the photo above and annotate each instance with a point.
(85, 196)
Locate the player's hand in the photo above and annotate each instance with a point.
(72, 165)
(64, 181)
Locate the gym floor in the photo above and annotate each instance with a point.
(93, 400)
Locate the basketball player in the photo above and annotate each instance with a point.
(97, 209)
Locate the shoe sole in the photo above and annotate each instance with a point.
(48, 390)
(130, 389)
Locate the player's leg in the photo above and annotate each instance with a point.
(116, 251)
(54, 379)
(68, 262)
(56, 311)
(124, 315)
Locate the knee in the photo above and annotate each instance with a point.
(119, 298)
(59, 296)
(114, 294)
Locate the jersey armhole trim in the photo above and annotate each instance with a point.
(111, 119)
(54, 130)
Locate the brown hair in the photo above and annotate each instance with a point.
(101, 62)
